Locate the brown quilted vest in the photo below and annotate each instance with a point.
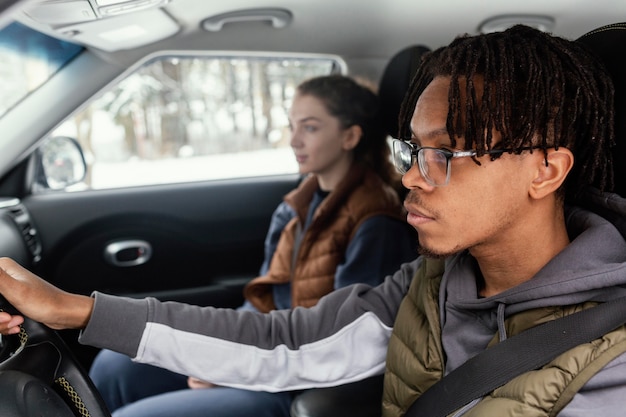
(359, 196)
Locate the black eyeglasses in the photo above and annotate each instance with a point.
(433, 163)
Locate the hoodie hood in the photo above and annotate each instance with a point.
(588, 269)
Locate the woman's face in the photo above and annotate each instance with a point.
(320, 144)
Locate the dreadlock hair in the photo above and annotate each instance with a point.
(539, 91)
(353, 102)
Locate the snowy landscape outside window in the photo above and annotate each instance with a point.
(180, 119)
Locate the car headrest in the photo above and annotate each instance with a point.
(394, 84)
(607, 43)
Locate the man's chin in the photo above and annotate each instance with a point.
(434, 253)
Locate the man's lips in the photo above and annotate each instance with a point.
(416, 217)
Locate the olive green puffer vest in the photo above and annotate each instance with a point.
(415, 359)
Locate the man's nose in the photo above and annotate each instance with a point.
(413, 178)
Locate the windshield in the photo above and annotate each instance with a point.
(27, 60)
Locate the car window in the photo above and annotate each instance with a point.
(188, 118)
(27, 60)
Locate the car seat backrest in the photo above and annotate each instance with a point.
(607, 42)
(395, 82)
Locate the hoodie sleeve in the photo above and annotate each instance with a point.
(282, 350)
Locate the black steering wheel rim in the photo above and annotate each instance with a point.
(39, 375)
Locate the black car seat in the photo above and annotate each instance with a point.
(364, 398)
(395, 83)
(607, 43)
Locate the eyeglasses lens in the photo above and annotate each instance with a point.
(434, 166)
(402, 157)
(433, 163)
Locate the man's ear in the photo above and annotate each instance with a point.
(352, 137)
(552, 171)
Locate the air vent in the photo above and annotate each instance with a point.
(21, 217)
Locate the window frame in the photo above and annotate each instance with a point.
(338, 66)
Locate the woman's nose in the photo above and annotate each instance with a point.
(294, 140)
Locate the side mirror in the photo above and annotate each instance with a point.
(60, 163)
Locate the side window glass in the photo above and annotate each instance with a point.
(179, 119)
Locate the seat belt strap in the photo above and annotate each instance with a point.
(521, 353)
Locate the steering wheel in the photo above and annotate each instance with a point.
(39, 375)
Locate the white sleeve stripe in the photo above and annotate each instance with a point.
(356, 351)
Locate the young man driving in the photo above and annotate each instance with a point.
(503, 133)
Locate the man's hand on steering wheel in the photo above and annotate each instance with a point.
(39, 375)
(39, 300)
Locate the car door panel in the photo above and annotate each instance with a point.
(206, 238)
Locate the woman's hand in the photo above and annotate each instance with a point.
(39, 300)
(10, 324)
(195, 383)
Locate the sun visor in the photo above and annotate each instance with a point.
(123, 32)
(65, 12)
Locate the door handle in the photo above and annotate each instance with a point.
(126, 253)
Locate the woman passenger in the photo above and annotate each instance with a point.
(343, 224)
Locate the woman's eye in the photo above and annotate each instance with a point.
(309, 129)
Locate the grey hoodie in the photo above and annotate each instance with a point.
(306, 348)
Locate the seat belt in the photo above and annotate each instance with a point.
(521, 353)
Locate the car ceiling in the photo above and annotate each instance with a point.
(354, 29)
(365, 34)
